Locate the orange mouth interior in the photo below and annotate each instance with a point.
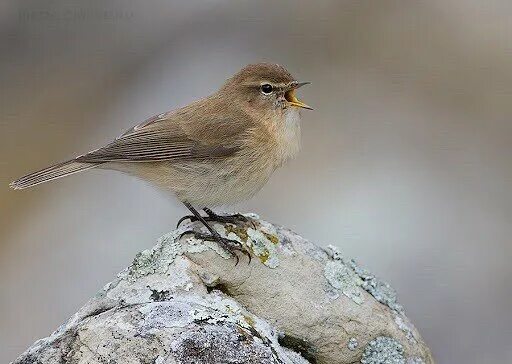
(294, 101)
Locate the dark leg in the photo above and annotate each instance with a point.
(230, 245)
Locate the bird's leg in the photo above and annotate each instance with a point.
(228, 244)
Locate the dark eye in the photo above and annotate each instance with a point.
(266, 88)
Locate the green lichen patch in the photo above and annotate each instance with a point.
(273, 238)
(261, 238)
(263, 248)
(264, 256)
(241, 232)
(383, 350)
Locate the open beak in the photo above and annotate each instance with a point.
(292, 99)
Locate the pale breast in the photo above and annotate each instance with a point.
(288, 136)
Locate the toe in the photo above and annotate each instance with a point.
(184, 218)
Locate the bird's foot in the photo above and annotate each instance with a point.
(232, 246)
(234, 219)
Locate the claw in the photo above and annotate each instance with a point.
(192, 218)
(188, 232)
(248, 255)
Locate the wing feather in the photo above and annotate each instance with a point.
(178, 135)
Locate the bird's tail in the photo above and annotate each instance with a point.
(53, 172)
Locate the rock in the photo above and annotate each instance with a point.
(185, 301)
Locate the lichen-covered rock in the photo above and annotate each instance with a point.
(185, 301)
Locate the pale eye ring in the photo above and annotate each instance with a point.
(267, 88)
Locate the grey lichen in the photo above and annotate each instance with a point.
(160, 315)
(403, 324)
(383, 350)
(344, 279)
(219, 309)
(378, 288)
(157, 259)
(352, 343)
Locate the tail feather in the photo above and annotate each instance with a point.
(53, 172)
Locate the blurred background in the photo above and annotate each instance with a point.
(406, 161)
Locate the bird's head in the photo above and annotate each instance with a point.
(264, 88)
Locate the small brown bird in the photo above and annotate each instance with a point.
(216, 151)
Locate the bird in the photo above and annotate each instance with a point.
(216, 151)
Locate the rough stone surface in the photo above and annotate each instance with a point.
(185, 301)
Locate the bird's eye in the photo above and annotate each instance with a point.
(266, 88)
